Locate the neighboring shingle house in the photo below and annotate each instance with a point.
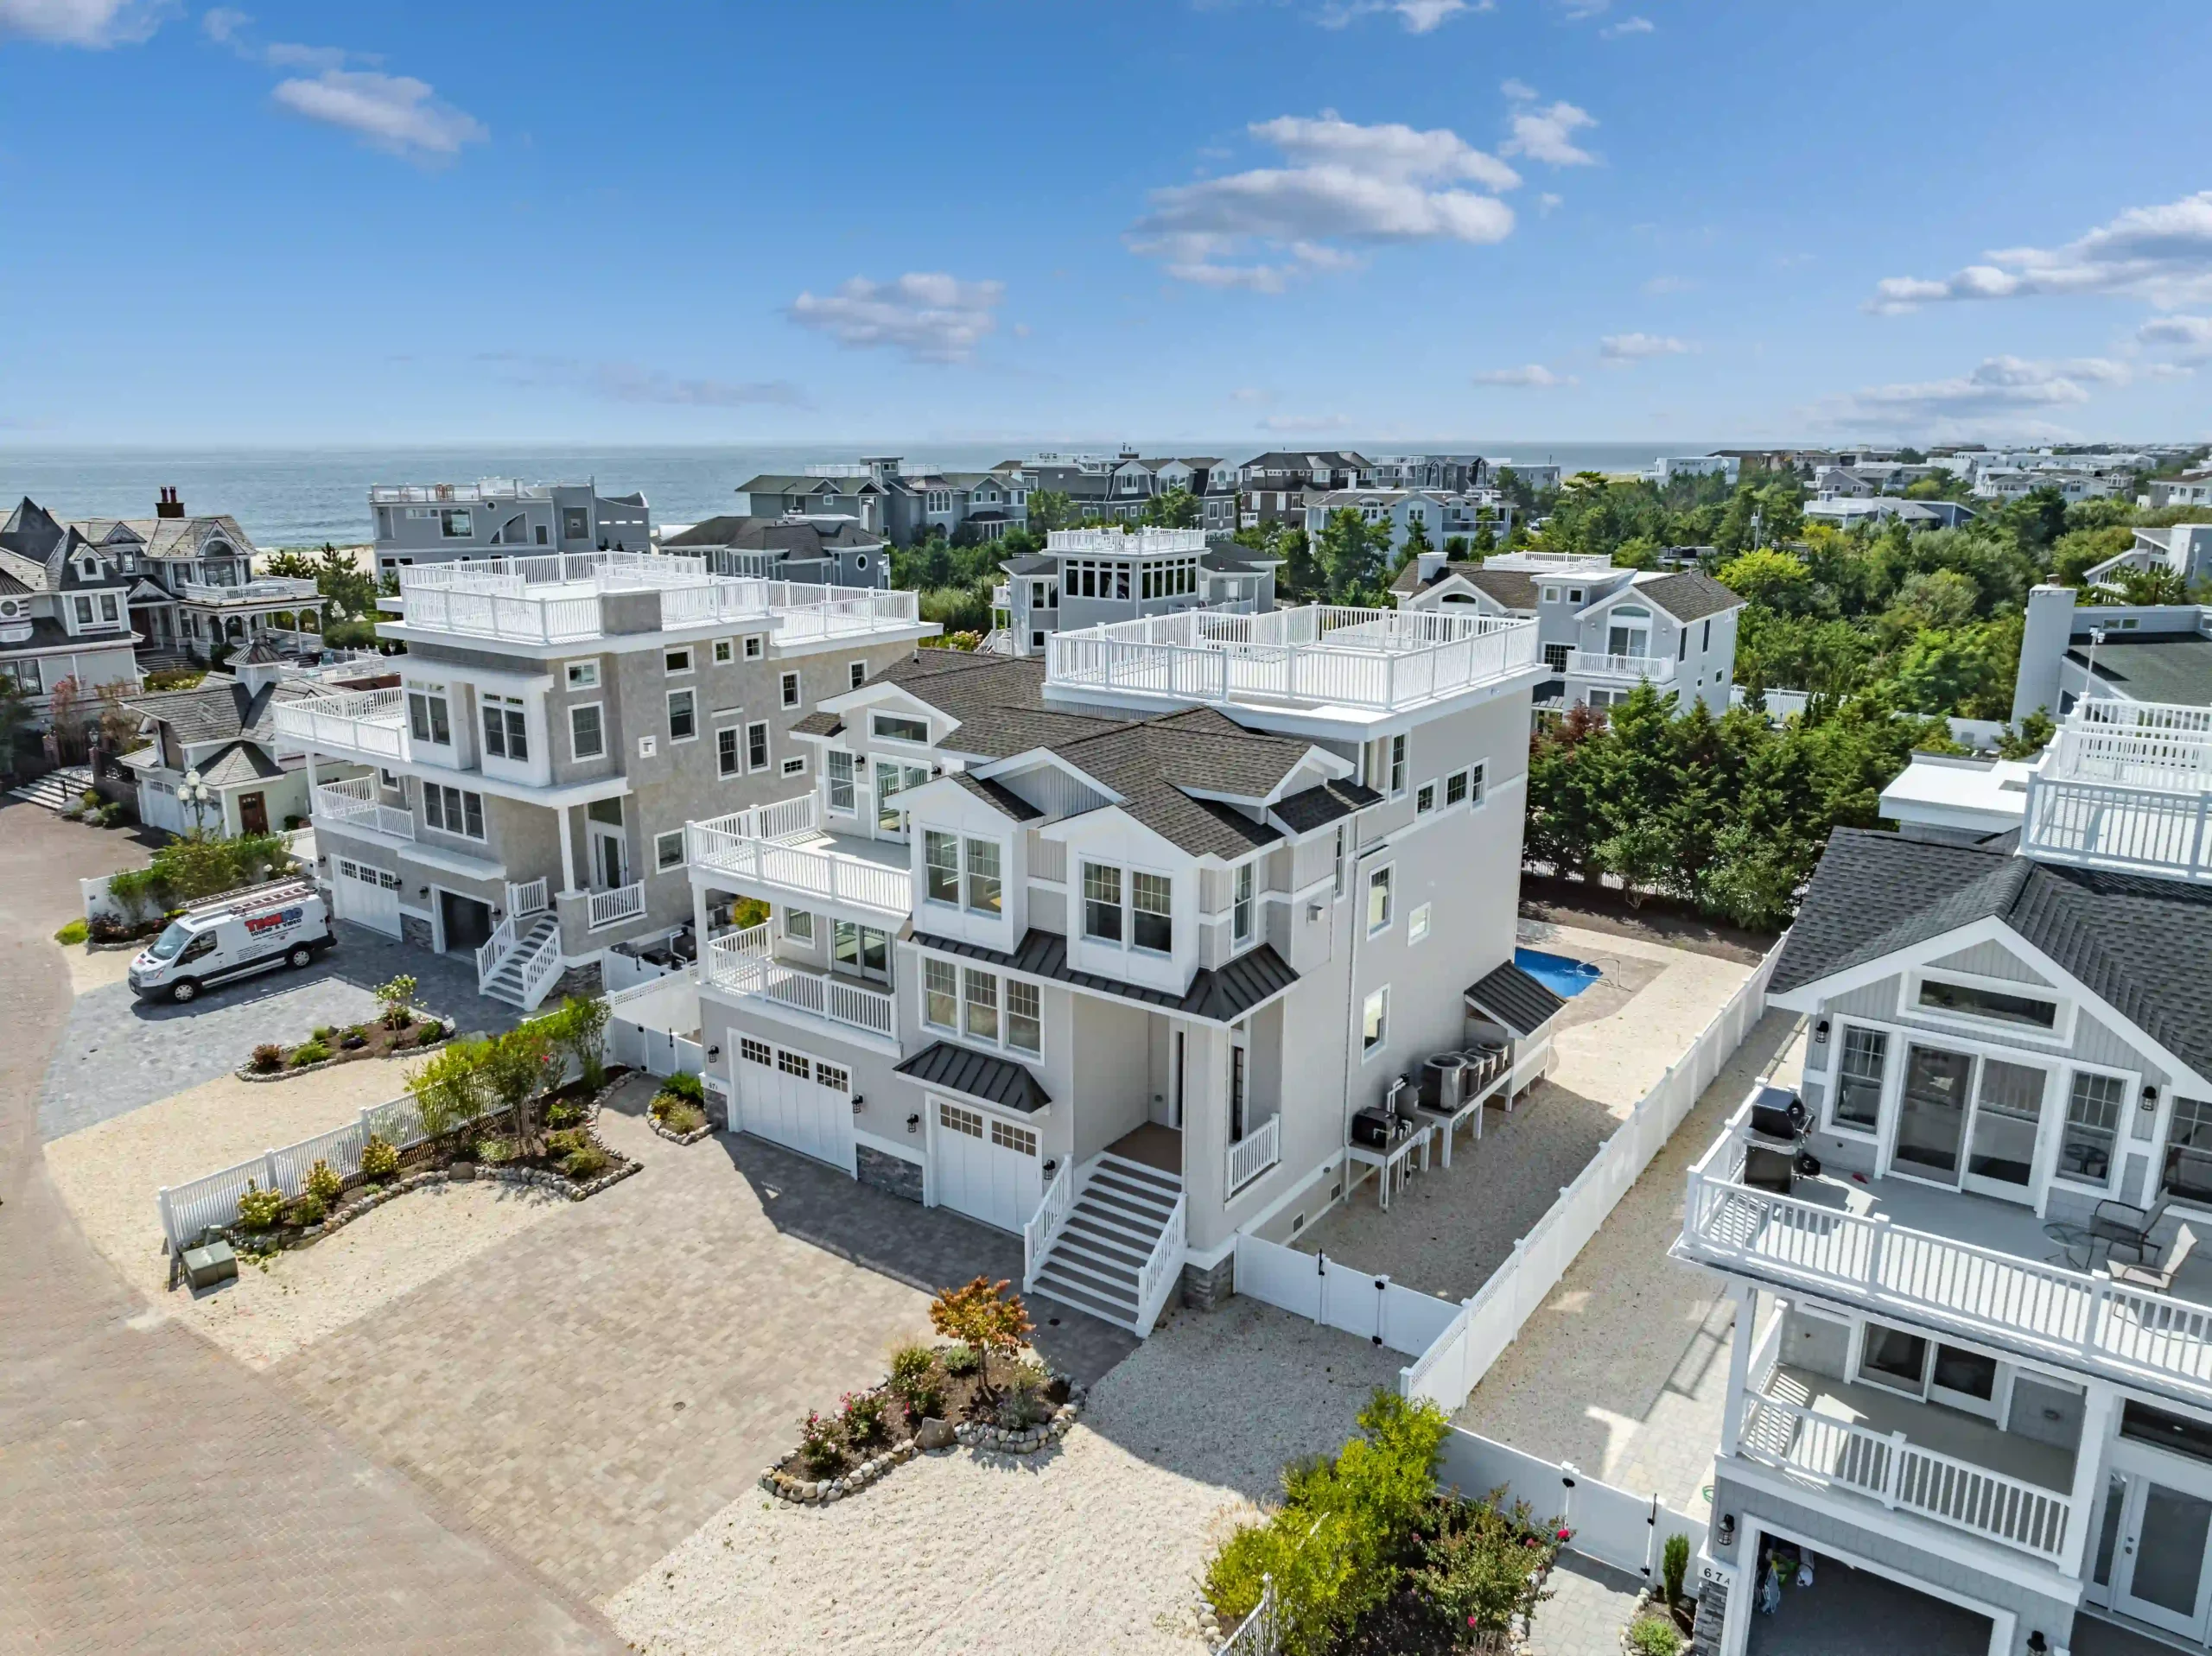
(1441, 515)
(1110, 948)
(1602, 628)
(1088, 577)
(828, 550)
(439, 523)
(1279, 486)
(193, 588)
(65, 610)
(889, 499)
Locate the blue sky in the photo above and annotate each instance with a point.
(1432, 220)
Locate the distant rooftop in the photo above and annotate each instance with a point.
(490, 488)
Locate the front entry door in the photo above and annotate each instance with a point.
(2158, 1569)
(253, 814)
(608, 862)
(1932, 1113)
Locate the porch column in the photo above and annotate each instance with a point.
(311, 783)
(1739, 1364)
(568, 854)
(2089, 1471)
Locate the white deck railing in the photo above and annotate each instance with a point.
(2179, 761)
(1550, 563)
(2109, 826)
(1163, 1268)
(613, 908)
(1905, 1477)
(492, 950)
(752, 971)
(264, 589)
(1595, 664)
(541, 969)
(369, 721)
(527, 898)
(1253, 1154)
(1320, 655)
(354, 804)
(756, 845)
(1045, 1224)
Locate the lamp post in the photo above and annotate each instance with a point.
(195, 793)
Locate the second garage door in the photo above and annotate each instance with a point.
(796, 1099)
(984, 1167)
(366, 896)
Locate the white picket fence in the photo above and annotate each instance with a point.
(1449, 1368)
(1613, 1525)
(1332, 1293)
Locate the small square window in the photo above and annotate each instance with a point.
(799, 925)
(794, 766)
(584, 674)
(754, 648)
(857, 674)
(668, 849)
(677, 661)
(725, 651)
(1425, 799)
(1455, 788)
(682, 716)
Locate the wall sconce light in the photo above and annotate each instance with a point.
(422, 891)
(713, 1052)
(1727, 1529)
(1051, 1168)
(1821, 1033)
(913, 1124)
(2037, 1643)
(2150, 1098)
(859, 1099)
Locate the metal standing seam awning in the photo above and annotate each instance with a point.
(1513, 997)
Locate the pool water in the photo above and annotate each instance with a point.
(1563, 977)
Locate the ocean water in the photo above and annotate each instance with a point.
(307, 496)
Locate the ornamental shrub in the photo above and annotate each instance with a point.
(268, 1057)
(397, 996)
(686, 1086)
(260, 1209)
(494, 1151)
(960, 1358)
(75, 932)
(565, 1141)
(1486, 1568)
(309, 1052)
(818, 1448)
(587, 1162)
(562, 1112)
(322, 1181)
(379, 1158)
(448, 1090)
(430, 1034)
(917, 1380)
(1649, 1636)
(304, 1210)
(680, 1117)
(1675, 1564)
(578, 1033)
(862, 1419)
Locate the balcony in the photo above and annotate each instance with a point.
(1316, 656)
(2125, 785)
(1966, 1264)
(740, 963)
(283, 591)
(780, 853)
(1591, 663)
(559, 598)
(354, 804)
(371, 724)
(1550, 563)
(614, 907)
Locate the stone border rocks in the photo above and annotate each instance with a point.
(247, 1072)
(803, 1492)
(690, 1138)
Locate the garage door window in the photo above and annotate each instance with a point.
(1007, 1137)
(953, 1118)
(752, 1051)
(830, 1076)
(794, 1063)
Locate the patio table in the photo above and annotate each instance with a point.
(2077, 1247)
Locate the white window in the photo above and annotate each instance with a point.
(979, 1002)
(724, 649)
(1858, 1102)
(455, 525)
(1240, 924)
(426, 716)
(506, 733)
(449, 810)
(2088, 1143)
(861, 950)
(1424, 799)
(582, 675)
(752, 648)
(587, 732)
(794, 766)
(1025, 1023)
(856, 673)
(726, 758)
(1551, 595)
(668, 850)
(1455, 788)
(1102, 902)
(1152, 912)
(799, 925)
(940, 994)
(677, 661)
(1374, 1020)
(107, 608)
(1475, 784)
(940, 866)
(1378, 901)
(1417, 924)
(1397, 766)
(984, 895)
(683, 715)
(841, 782)
(895, 728)
(756, 745)
(790, 689)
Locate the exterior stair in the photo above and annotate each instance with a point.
(1093, 1261)
(505, 982)
(56, 790)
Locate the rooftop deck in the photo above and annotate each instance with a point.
(564, 598)
(781, 853)
(1970, 1264)
(1319, 655)
(2126, 785)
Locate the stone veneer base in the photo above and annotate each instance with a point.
(1208, 1288)
(893, 1175)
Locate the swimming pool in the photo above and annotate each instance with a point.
(1563, 977)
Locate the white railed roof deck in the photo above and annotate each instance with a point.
(372, 722)
(1317, 656)
(262, 589)
(557, 598)
(1549, 563)
(1973, 1266)
(784, 848)
(2126, 786)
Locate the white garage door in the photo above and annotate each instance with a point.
(984, 1167)
(795, 1100)
(366, 896)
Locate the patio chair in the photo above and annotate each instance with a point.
(2159, 1281)
(2126, 1226)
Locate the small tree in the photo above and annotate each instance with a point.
(578, 1032)
(449, 1089)
(119, 725)
(985, 1317)
(514, 1068)
(14, 717)
(65, 717)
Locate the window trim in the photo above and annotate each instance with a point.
(788, 686)
(2061, 1034)
(725, 651)
(1417, 923)
(692, 707)
(1244, 904)
(1424, 798)
(931, 962)
(729, 763)
(855, 673)
(830, 758)
(766, 761)
(1832, 1086)
(464, 795)
(662, 862)
(2131, 1092)
(1368, 1048)
(1387, 875)
(576, 755)
(588, 666)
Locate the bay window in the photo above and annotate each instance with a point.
(427, 720)
(505, 735)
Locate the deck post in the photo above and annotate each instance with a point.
(1894, 1473)
(1739, 1366)
(1876, 1250)
(2088, 1466)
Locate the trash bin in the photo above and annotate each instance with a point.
(1442, 1080)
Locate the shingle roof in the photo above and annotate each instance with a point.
(1515, 998)
(241, 762)
(999, 796)
(31, 531)
(1152, 763)
(1313, 807)
(1515, 588)
(1036, 564)
(1690, 596)
(999, 700)
(819, 724)
(2176, 669)
(219, 708)
(995, 1080)
(802, 538)
(2140, 943)
(1221, 994)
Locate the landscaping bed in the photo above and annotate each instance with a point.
(328, 1046)
(678, 1112)
(985, 1390)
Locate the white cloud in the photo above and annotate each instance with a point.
(1519, 91)
(1548, 135)
(2162, 254)
(391, 112)
(1546, 202)
(222, 23)
(1419, 17)
(1627, 26)
(1641, 347)
(1250, 394)
(2193, 334)
(928, 315)
(1534, 375)
(94, 23)
(2000, 393)
(1347, 187)
(227, 25)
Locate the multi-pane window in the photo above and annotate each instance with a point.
(1475, 784)
(1425, 799)
(957, 1120)
(794, 1063)
(1240, 911)
(857, 673)
(862, 950)
(1397, 765)
(668, 850)
(1455, 787)
(587, 732)
(756, 745)
(1378, 900)
(940, 994)
(726, 757)
(1007, 1136)
(1858, 1077)
(426, 717)
(790, 689)
(979, 997)
(835, 1077)
(983, 885)
(794, 766)
(452, 811)
(840, 781)
(1374, 1020)
(891, 781)
(1152, 912)
(683, 715)
(2092, 1132)
(799, 925)
(752, 647)
(725, 651)
(505, 734)
(1025, 1023)
(1102, 902)
(940, 866)
(2189, 1152)
(753, 1052)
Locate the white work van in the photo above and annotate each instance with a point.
(282, 923)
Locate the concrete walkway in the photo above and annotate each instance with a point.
(154, 1495)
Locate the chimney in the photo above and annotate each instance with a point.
(168, 505)
(1429, 565)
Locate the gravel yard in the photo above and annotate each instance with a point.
(1094, 1548)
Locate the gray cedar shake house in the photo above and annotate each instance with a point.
(439, 523)
(1088, 577)
(1972, 1356)
(65, 610)
(1107, 947)
(558, 720)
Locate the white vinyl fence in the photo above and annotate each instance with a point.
(652, 1025)
(1335, 1295)
(1612, 1525)
(1450, 1368)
